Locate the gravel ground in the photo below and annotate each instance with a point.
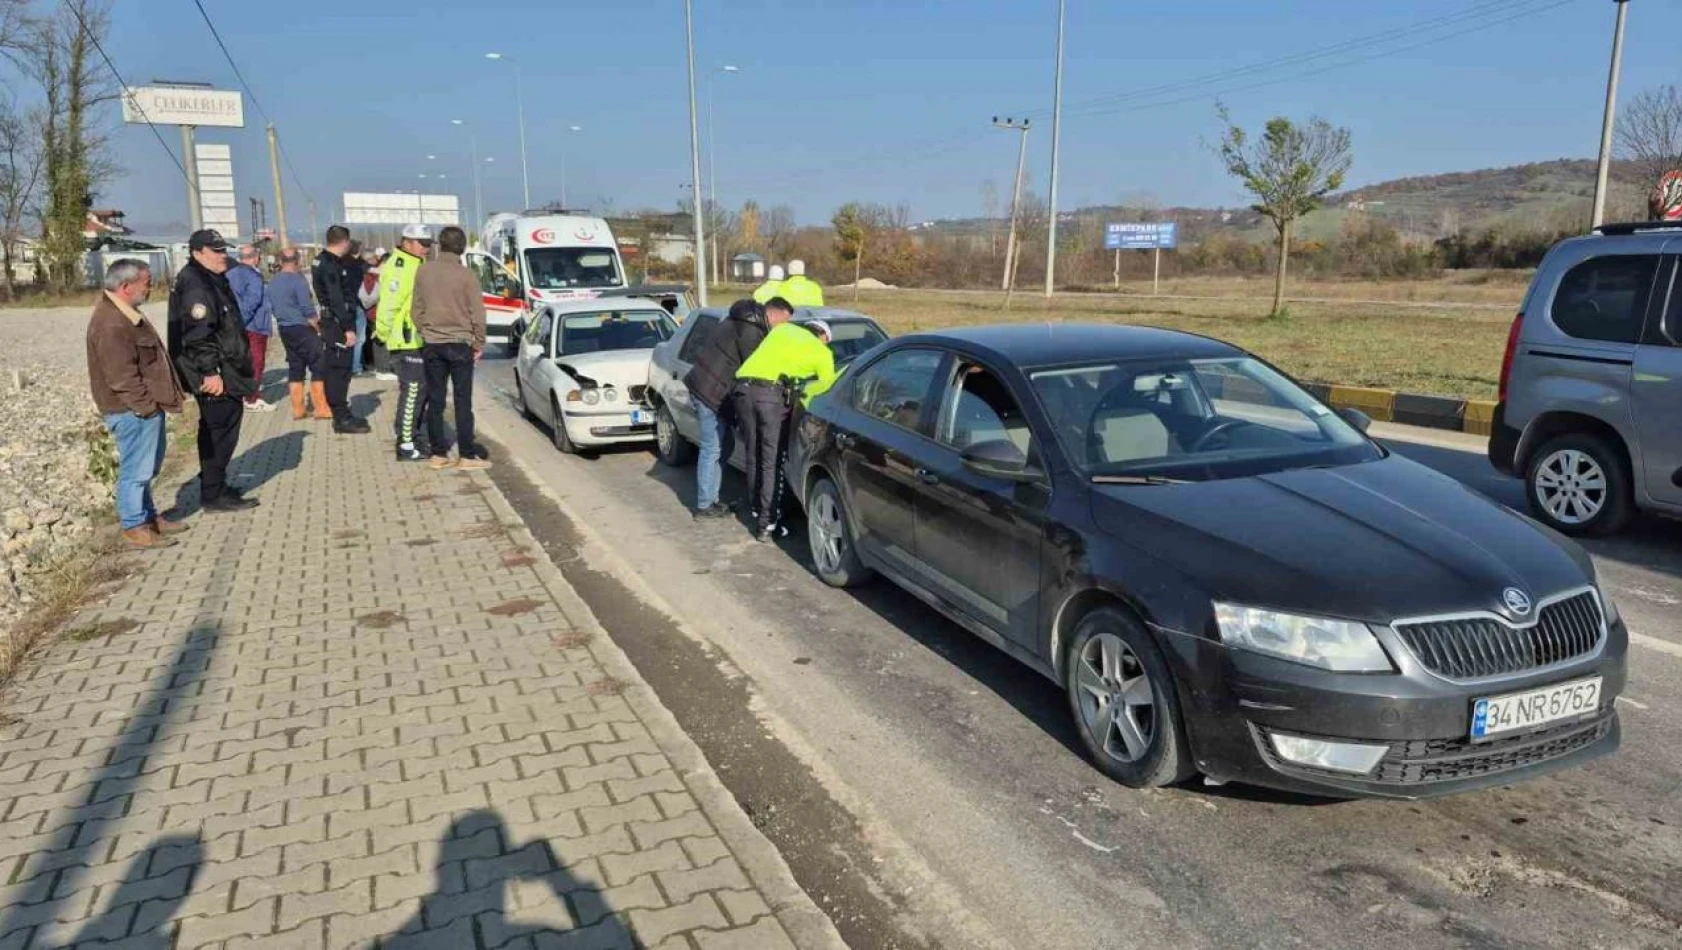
(48, 500)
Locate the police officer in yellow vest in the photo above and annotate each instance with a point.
(792, 356)
(773, 286)
(395, 328)
(800, 290)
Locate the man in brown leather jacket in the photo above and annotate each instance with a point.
(133, 385)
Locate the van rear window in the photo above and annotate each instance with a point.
(1605, 298)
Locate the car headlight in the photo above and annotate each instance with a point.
(591, 397)
(1329, 644)
(610, 395)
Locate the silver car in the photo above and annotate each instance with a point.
(1591, 384)
(676, 430)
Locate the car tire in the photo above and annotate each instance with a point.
(558, 429)
(1579, 484)
(835, 557)
(673, 449)
(520, 399)
(1113, 661)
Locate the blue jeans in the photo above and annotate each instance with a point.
(717, 442)
(140, 452)
(361, 338)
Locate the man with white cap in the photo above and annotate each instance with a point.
(773, 286)
(395, 328)
(800, 290)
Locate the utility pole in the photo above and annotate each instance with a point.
(1604, 171)
(190, 156)
(314, 231)
(1015, 198)
(279, 195)
(712, 160)
(695, 191)
(1056, 137)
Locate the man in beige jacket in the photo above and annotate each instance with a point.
(449, 312)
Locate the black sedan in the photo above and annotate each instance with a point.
(1226, 576)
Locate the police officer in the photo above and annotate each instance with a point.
(208, 345)
(333, 291)
(765, 391)
(395, 328)
(772, 287)
(800, 290)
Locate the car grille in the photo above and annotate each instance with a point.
(1477, 647)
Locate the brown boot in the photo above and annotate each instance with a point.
(296, 391)
(318, 397)
(169, 527)
(145, 536)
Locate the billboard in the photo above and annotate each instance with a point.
(398, 208)
(218, 206)
(171, 105)
(1143, 236)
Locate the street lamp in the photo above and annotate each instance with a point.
(478, 194)
(695, 159)
(570, 128)
(520, 104)
(1604, 168)
(712, 152)
(1056, 138)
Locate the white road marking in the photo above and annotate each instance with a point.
(1637, 705)
(1654, 643)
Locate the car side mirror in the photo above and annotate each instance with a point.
(513, 292)
(999, 458)
(1355, 417)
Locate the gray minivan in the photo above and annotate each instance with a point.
(1590, 412)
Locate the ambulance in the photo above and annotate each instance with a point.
(527, 261)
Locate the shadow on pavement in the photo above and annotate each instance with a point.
(476, 864)
(252, 468)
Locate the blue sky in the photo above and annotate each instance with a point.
(878, 100)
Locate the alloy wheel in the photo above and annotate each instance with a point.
(1571, 486)
(828, 536)
(663, 432)
(1117, 701)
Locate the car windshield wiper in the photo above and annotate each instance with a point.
(1137, 480)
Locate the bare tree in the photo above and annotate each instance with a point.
(75, 160)
(1650, 133)
(777, 227)
(14, 30)
(1290, 171)
(21, 162)
(990, 210)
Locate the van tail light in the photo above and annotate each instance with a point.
(1507, 358)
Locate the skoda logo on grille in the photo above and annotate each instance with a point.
(1517, 601)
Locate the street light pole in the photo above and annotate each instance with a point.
(695, 160)
(712, 157)
(1056, 137)
(520, 105)
(1603, 172)
(570, 128)
(478, 194)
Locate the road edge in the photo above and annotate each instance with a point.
(806, 923)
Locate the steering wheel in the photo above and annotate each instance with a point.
(1217, 429)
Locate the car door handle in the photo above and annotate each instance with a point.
(845, 441)
(927, 477)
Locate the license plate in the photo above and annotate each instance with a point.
(1518, 712)
(641, 417)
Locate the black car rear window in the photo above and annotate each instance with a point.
(1605, 299)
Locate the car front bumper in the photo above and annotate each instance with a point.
(1232, 709)
(608, 428)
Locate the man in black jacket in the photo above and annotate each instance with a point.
(207, 343)
(338, 327)
(710, 381)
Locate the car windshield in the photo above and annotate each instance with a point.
(612, 330)
(1195, 420)
(561, 268)
(850, 338)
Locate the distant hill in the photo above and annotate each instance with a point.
(1541, 196)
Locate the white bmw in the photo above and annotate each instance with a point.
(582, 367)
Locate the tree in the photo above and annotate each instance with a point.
(990, 210)
(21, 162)
(777, 225)
(850, 233)
(74, 159)
(1649, 134)
(1290, 171)
(747, 225)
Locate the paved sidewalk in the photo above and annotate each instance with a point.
(369, 712)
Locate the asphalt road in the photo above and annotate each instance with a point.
(933, 792)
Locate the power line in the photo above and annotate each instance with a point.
(284, 155)
(82, 24)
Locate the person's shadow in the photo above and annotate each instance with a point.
(476, 863)
(154, 885)
(249, 470)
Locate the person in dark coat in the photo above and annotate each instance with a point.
(208, 345)
(710, 380)
(336, 294)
